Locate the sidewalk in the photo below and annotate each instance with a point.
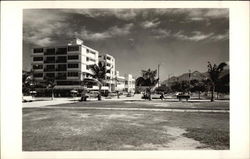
(40, 101)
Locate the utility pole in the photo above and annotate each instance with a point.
(189, 76)
(158, 75)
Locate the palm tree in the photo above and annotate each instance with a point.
(214, 73)
(99, 73)
(148, 79)
(50, 84)
(28, 81)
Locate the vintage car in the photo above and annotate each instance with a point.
(90, 94)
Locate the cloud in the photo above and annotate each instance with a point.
(111, 32)
(196, 36)
(161, 33)
(40, 25)
(196, 13)
(199, 36)
(123, 14)
(150, 24)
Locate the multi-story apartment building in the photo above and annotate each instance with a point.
(68, 65)
(109, 62)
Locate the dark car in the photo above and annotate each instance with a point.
(90, 94)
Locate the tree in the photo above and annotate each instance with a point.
(99, 73)
(28, 82)
(180, 86)
(222, 85)
(50, 84)
(197, 86)
(149, 80)
(214, 72)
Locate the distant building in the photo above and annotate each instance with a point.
(125, 83)
(120, 82)
(129, 83)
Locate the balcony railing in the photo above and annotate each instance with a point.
(61, 77)
(49, 53)
(61, 69)
(49, 77)
(49, 61)
(49, 69)
(61, 61)
(61, 52)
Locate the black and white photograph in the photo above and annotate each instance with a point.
(125, 79)
(117, 80)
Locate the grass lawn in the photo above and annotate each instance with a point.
(151, 104)
(55, 129)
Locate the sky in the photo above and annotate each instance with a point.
(178, 40)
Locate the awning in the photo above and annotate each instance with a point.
(74, 91)
(70, 87)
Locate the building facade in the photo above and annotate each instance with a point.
(69, 65)
(125, 83)
(109, 62)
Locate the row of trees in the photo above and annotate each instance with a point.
(213, 83)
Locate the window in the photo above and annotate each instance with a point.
(50, 66)
(38, 50)
(61, 76)
(61, 59)
(50, 75)
(50, 59)
(37, 66)
(73, 57)
(108, 64)
(89, 59)
(73, 48)
(62, 67)
(61, 51)
(38, 74)
(51, 51)
(72, 74)
(37, 58)
(74, 65)
(108, 71)
(108, 58)
(108, 78)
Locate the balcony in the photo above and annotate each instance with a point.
(50, 52)
(61, 51)
(61, 69)
(49, 69)
(61, 77)
(61, 61)
(49, 61)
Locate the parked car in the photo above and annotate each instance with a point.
(154, 96)
(130, 94)
(90, 94)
